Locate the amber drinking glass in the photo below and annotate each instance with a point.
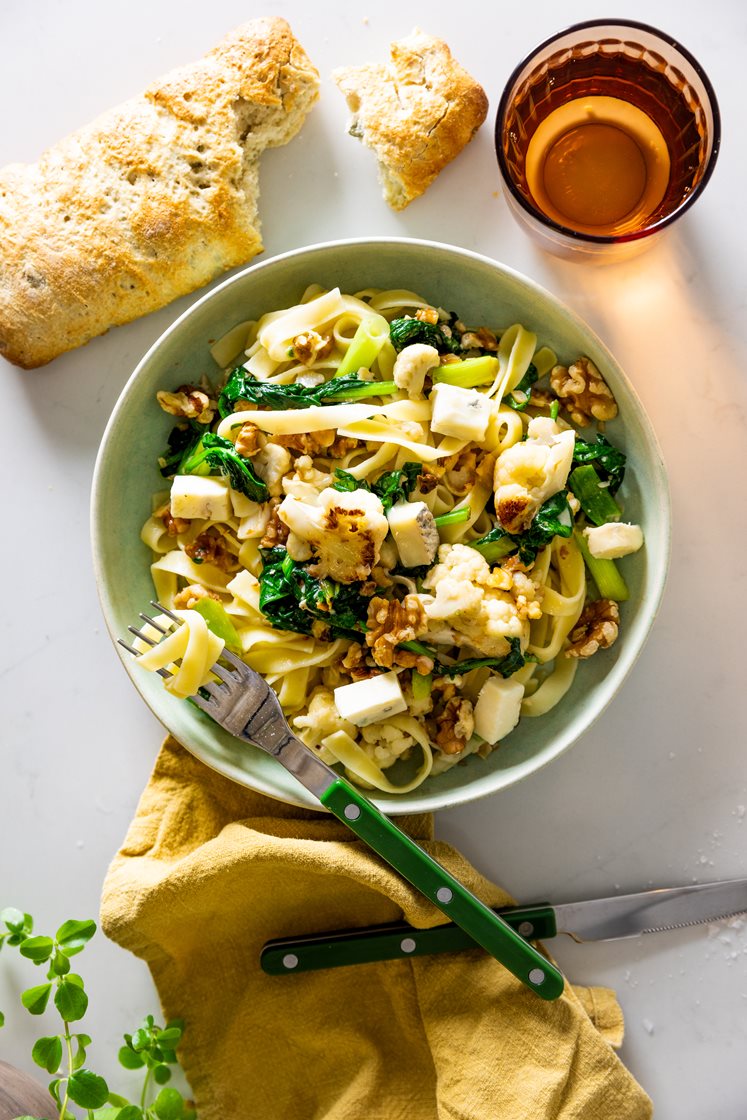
(605, 135)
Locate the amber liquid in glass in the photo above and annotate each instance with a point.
(604, 143)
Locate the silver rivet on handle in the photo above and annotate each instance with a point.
(526, 929)
(407, 945)
(444, 894)
(290, 960)
(536, 976)
(352, 812)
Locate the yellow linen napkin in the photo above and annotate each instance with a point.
(209, 871)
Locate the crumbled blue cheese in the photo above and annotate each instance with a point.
(198, 496)
(415, 533)
(613, 539)
(463, 413)
(498, 708)
(367, 701)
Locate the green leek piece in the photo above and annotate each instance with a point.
(421, 685)
(453, 517)
(372, 333)
(467, 374)
(609, 583)
(596, 500)
(218, 621)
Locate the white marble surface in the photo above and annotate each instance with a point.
(655, 793)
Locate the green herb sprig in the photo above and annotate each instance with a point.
(63, 1055)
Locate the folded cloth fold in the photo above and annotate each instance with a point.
(209, 871)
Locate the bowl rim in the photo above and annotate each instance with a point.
(575, 235)
(500, 779)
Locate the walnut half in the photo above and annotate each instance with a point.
(391, 622)
(597, 628)
(582, 390)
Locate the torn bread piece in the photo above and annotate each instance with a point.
(151, 200)
(416, 114)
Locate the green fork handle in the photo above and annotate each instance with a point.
(483, 925)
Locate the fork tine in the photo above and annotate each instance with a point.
(135, 653)
(164, 610)
(143, 637)
(225, 675)
(152, 622)
(201, 702)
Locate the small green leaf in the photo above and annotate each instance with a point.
(161, 1074)
(71, 1002)
(2, 1019)
(114, 1098)
(79, 1057)
(47, 1053)
(168, 1056)
(131, 1112)
(74, 978)
(13, 919)
(54, 1089)
(60, 964)
(36, 999)
(149, 1021)
(175, 1024)
(37, 949)
(169, 1035)
(72, 936)
(140, 1039)
(129, 1059)
(169, 1105)
(87, 1089)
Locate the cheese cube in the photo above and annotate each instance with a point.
(242, 506)
(415, 533)
(365, 702)
(613, 539)
(498, 708)
(463, 413)
(196, 495)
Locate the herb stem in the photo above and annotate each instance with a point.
(146, 1086)
(69, 1049)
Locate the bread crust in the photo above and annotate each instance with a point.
(417, 113)
(151, 200)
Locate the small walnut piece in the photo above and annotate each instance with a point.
(192, 594)
(209, 547)
(311, 346)
(482, 339)
(248, 441)
(597, 628)
(189, 403)
(427, 315)
(391, 622)
(276, 532)
(455, 726)
(174, 525)
(583, 391)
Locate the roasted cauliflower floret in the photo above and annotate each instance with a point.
(583, 391)
(321, 719)
(480, 607)
(271, 463)
(344, 532)
(412, 364)
(530, 472)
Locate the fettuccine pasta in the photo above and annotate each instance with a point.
(382, 511)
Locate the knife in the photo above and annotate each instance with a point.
(599, 919)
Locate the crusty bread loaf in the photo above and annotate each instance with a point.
(149, 201)
(417, 113)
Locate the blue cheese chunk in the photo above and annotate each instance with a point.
(498, 708)
(198, 496)
(613, 540)
(415, 533)
(462, 413)
(365, 702)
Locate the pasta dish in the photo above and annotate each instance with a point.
(408, 525)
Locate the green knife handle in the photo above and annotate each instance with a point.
(393, 941)
(482, 924)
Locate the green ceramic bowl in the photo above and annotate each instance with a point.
(482, 291)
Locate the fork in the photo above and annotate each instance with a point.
(243, 703)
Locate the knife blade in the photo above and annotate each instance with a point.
(599, 919)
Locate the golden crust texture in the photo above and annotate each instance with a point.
(417, 113)
(151, 200)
